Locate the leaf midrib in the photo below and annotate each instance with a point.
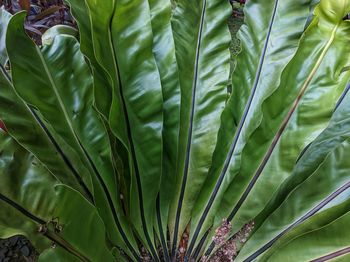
(284, 123)
(332, 255)
(190, 129)
(238, 133)
(50, 235)
(306, 216)
(84, 152)
(54, 87)
(281, 129)
(119, 226)
(131, 145)
(40, 123)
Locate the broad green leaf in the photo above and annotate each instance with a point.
(202, 40)
(97, 45)
(81, 224)
(64, 98)
(102, 88)
(325, 164)
(305, 124)
(30, 205)
(140, 95)
(324, 234)
(81, 15)
(265, 23)
(238, 171)
(90, 34)
(94, 21)
(101, 36)
(129, 96)
(59, 254)
(127, 111)
(332, 179)
(164, 52)
(24, 124)
(27, 197)
(37, 138)
(332, 137)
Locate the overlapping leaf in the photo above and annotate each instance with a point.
(34, 205)
(140, 95)
(282, 116)
(312, 239)
(22, 208)
(201, 42)
(319, 181)
(306, 122)
(71, 117)
(128, 120)
(164, 53)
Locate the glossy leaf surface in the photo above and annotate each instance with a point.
(134, 141)
(26, 184)
(274, 123)
(201, 42)
(242, 113)
(34, 205)
(76, 123)
(323, 164)
(164, 53)
(142, 101)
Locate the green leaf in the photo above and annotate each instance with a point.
(102, 89)
(331, 178)
(57, 254)
(140, 95)
(24, 123)
(81, 224)
(202, 40)
(115, 51)
(91, 47)
(94, 25)
(332, 137)
(32, 206)
(305, 124)
(281, 117)
(164, 52)
(71, 117)
(312, 239)
(27, 198)
(324, 164)
(37, 138)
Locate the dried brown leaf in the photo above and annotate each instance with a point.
(24, 4)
